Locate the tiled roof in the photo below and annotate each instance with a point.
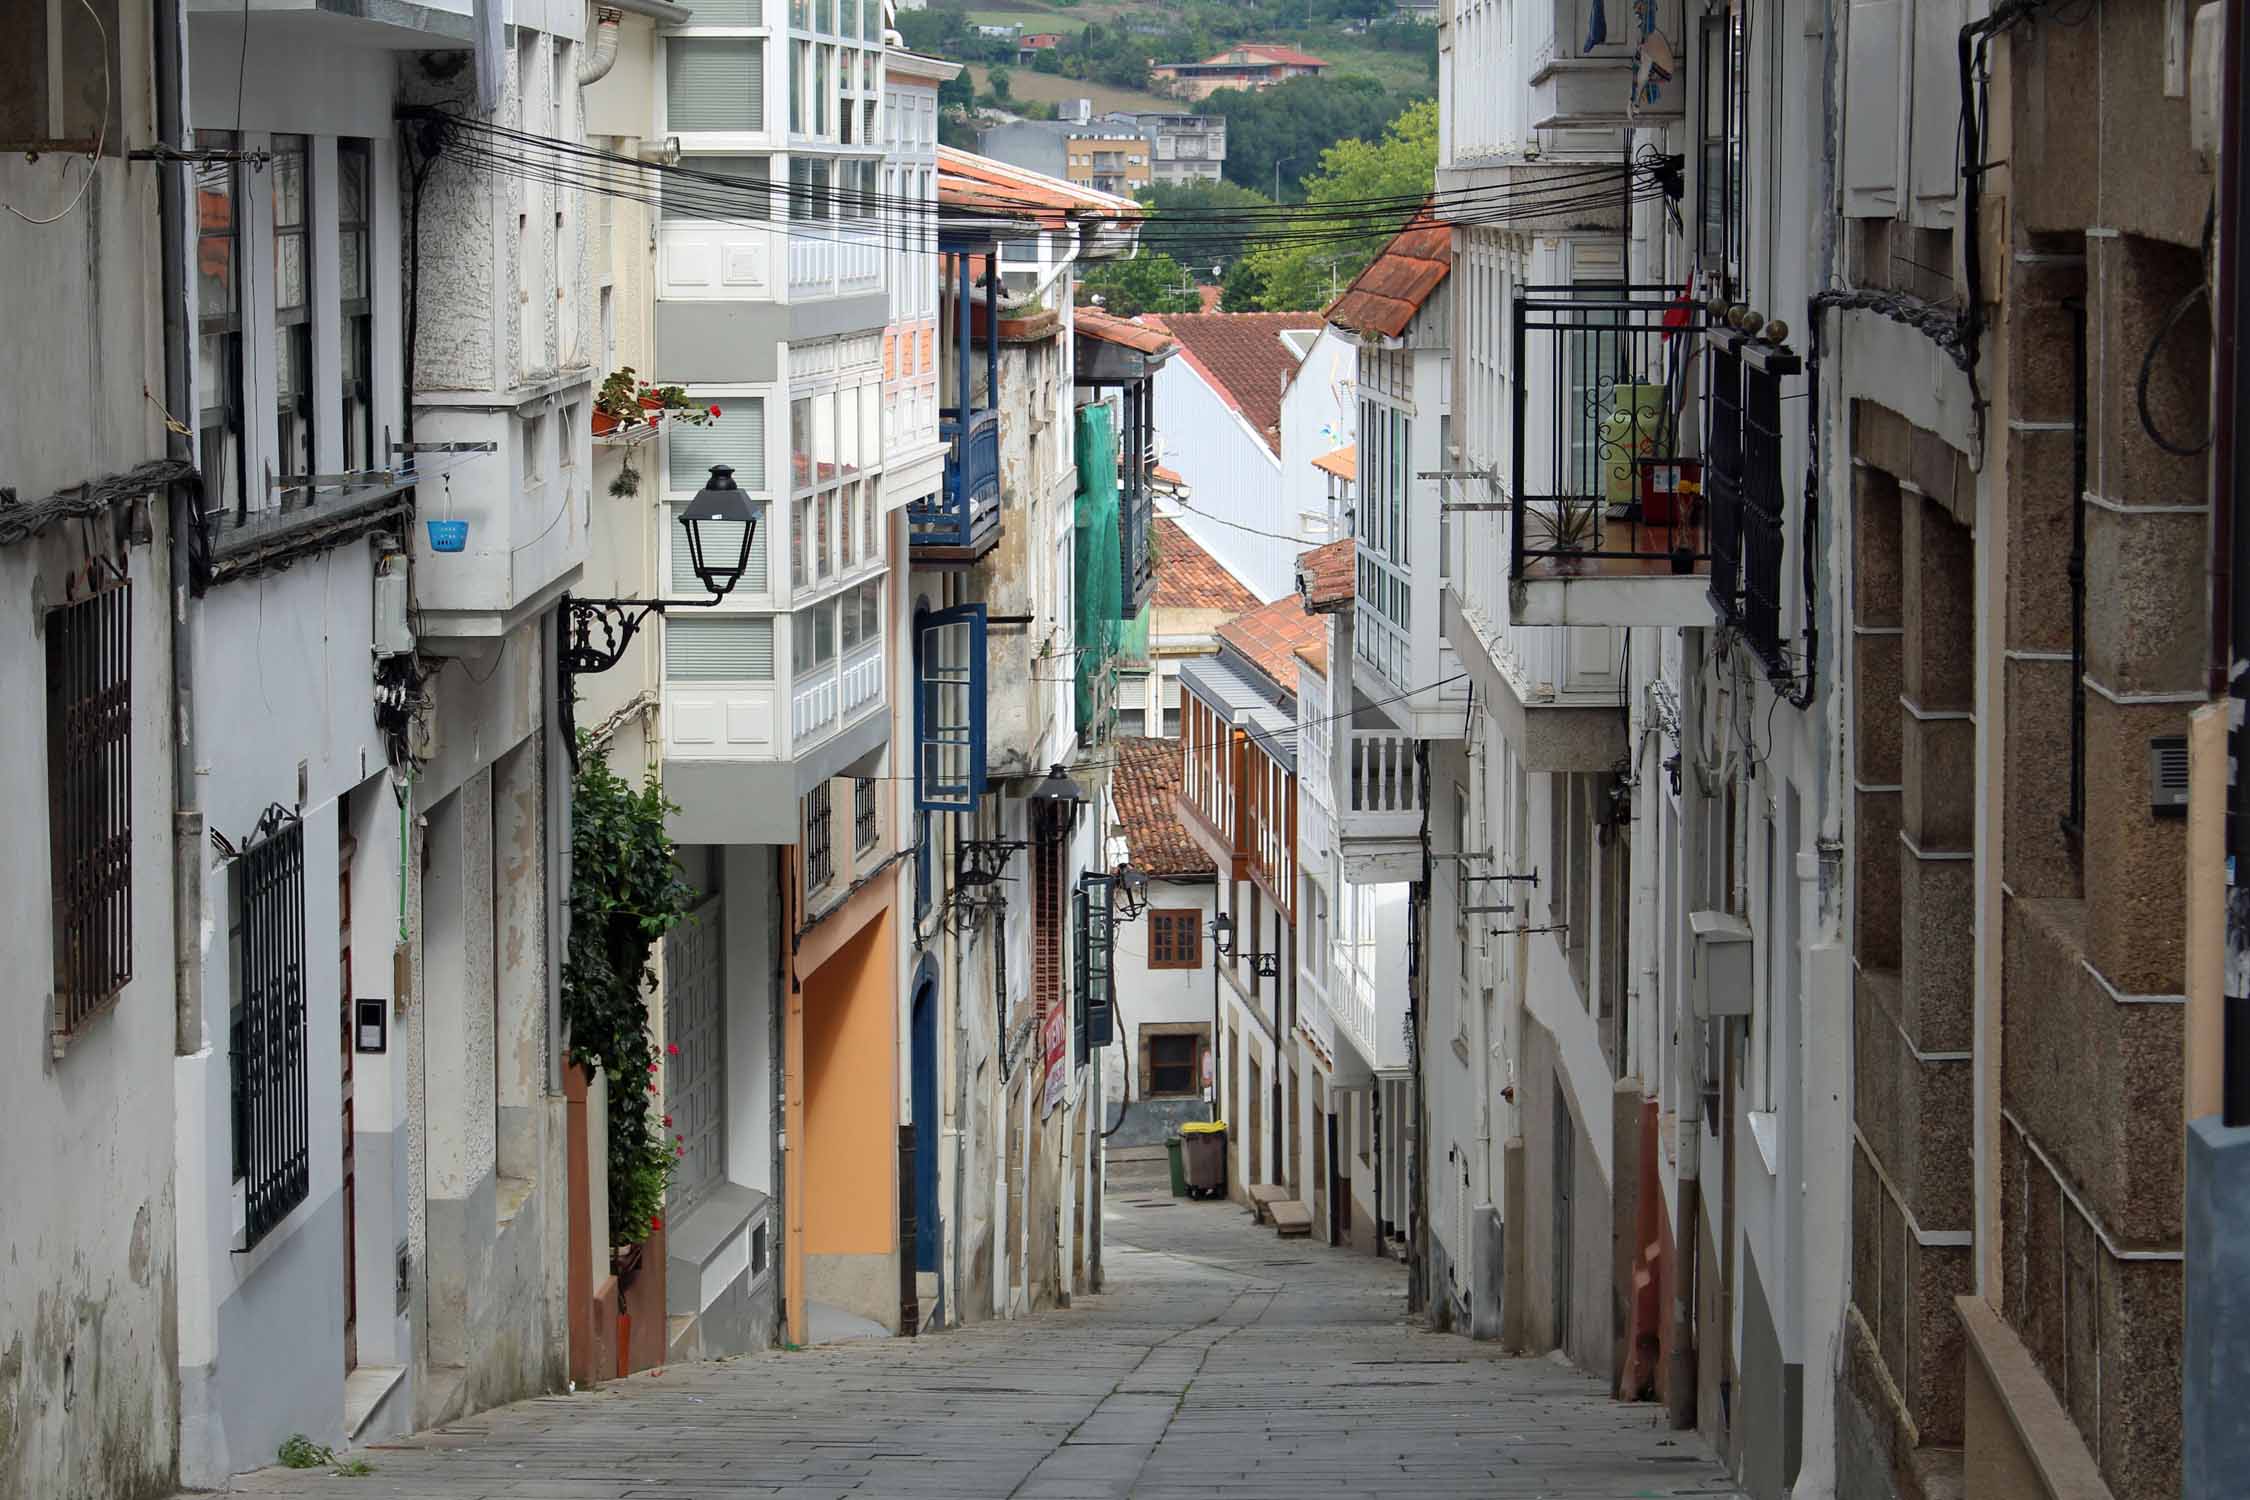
(1147, 775)
(1271, 635)
(1093, 323)
(1187, 577)
(1242, 357)
(1384, 297)
(1267, 52)
(1315, 656)
(1342, 462)
(978, 183)
(1325, 577)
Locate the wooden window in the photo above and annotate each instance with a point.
(90, 800)
(1172, 1065)
(1175, 939)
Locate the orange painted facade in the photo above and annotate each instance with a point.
(840, 1085)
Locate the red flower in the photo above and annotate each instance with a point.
(673, 1048)
(667, 1119)
(652, 1067)
(652, 1088)
(655, 1222)
(714, 411)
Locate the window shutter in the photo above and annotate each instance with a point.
(730, 13)
(736, 438)
(949, 647)
(748, 196)
(1935, 136)
(1871, 113)
(718, 648)
(714, 83)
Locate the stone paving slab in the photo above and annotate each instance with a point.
(1220, 1361)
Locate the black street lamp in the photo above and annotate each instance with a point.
(1222, 946)
(597, 631)
(1132, 892)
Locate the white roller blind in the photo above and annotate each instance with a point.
(735, 437)
(718, 648)
(747, 197)
(714, 83)
(730, 13)
(722, 540)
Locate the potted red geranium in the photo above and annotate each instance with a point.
(630, 409)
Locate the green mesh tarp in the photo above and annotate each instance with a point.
(1100, 578)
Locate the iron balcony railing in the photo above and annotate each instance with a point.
(967, 510)
(1607, 479)
(266, 1038)
(1743, 488)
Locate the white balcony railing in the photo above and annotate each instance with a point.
(834, 692)
(1371, 1015)
(1381, 790)
(1315, 740)
(835, 262)
(1314, 1016)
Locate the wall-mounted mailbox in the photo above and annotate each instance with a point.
(1722, 983)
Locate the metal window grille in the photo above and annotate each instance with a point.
(863, 813)
(266, 1032)
(1046, 910)
(90, 800)
(1747, 499)
(820, 851)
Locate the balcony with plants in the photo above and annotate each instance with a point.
(1608, 523)
(961, 523)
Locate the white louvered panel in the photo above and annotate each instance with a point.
(718, 648)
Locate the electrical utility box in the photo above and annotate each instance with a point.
(1722, 983)
(392, 636)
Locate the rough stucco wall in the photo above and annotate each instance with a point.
(88, 1358)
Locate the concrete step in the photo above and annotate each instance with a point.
(1262, 1197)
(1291, 1219)
(366, 1388)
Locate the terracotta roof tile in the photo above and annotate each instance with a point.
(1187, 577)
(1271, 635)
(1111, 329)
(1384, 297)
(1342, 462)
(1325, 577)
(1270, 52)
(967, 180)
(1242, 357)
(1315, 656)
(1147, 775)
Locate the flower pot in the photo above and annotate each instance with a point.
(448, 536)
(605, 424)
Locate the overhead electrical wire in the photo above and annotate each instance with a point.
(828, 211)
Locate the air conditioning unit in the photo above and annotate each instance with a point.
(1721, 984)
(391, 635)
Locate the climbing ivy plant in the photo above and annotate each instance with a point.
(626, 892)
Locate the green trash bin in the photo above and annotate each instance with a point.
(1179, 1168)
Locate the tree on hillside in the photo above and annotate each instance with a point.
(1202, 223)
(1149, 282)
(1289, 125)
(1324, 254)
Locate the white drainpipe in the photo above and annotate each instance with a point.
(595, 64)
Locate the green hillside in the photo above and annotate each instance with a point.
(1379, 66)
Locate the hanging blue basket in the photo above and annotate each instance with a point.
(448, 536)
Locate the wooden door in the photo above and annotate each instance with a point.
(1566, 1158)
(346, 849)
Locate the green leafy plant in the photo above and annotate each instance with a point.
(626, 892)
(628, 401)
(354, 1468)
(300, 1452)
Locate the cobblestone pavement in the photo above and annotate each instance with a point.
(1221, 1361)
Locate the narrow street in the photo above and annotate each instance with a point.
(1221, 1360)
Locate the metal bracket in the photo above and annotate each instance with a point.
(445, 447)
(619, 620)
(1514, 931)
(1473, 910)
